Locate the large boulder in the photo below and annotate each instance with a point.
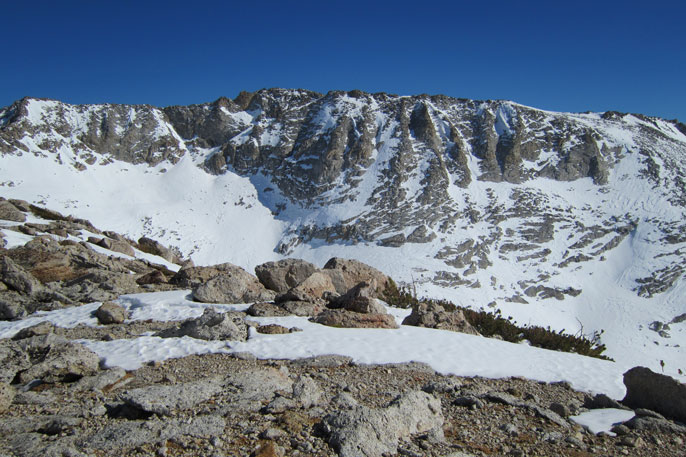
(350, 319)
(237, 286)
(316, 287)
(156, 248)
(9, 212)
(285, 274)
(353, 272)
(191, 276)
(117, 246)
(211, 325)
(654, 391)
(366, 432)
(433, 315)
(110, 313)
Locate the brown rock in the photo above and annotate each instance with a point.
(110, 313)
(266, 310)
(117, 246)
(268, 449)
(9, 212)
(351, 319)
(272, 329)
(156, 248)
(154, 277)
(21, 205)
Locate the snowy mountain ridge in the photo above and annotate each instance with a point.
(569, 220)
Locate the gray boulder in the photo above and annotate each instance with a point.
(111, 313)
(654, 391)
(211, 325)
(285, 274)
(165, 400)
(362, 431)
(433, 315)
(237, 286)
(354, 272)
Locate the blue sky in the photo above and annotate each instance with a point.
(564, 56)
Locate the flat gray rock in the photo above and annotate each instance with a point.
(128, 434)
(165, 400)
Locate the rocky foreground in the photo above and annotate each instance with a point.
(57, 399)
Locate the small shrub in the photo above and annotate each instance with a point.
(494, 324)
(398, 297)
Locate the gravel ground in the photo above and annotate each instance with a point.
(63, 418)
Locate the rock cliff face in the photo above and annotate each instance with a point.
(478, 183)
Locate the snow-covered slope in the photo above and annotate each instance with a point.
(570, 220)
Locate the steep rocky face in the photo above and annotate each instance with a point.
(480, 184)
(87, 134)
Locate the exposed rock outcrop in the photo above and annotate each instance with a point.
(658, 392)
(433, 315)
